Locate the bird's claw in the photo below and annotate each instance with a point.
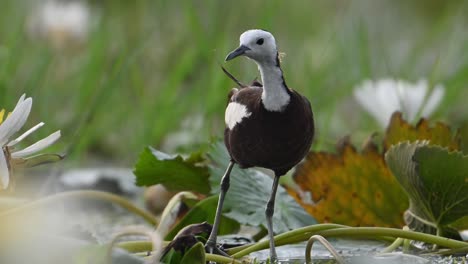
(212, 248)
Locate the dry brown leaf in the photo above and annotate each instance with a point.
(351, 188)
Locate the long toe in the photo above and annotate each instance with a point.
(213, 249)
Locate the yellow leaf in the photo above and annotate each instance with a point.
(357, 188)
(440, 134)
(350, 187)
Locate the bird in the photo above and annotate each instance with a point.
(268, 124)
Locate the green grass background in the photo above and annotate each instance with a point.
(149, 67)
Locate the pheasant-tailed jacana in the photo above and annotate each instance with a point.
(270, 126)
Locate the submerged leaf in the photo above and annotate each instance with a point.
(248, 195)
(399, 130)
(435, 180)
(350, 187)
(175, 173)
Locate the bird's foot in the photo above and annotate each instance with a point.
(273, 257)
(212, 248)
(273, 260)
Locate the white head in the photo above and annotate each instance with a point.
(257, 44)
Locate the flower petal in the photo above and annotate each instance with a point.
(25, 134)
(379, 98)
(15, 120)
(414, 98)
(2, 112)
(4, 172)
(386, 100)
(38, 146)
(433, 101)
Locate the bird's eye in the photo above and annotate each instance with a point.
(260, 41)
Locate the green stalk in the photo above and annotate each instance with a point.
(459, 250)
(97, 195)
(334, 230)
(221, 259)
(394, 232)
(135, 246)
(296, 235)
(393, 246)
(326, 244)
(155, 241)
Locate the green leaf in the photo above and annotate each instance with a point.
(435, 179)
(172, 257)
(175, 173)
(460, 224)
(249, 192)
(195, 255)
(204, 211)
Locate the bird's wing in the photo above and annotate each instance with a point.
(232, 94)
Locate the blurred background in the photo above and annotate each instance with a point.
(116, 75)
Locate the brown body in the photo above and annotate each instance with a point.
(268, 139)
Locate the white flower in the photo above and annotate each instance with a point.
(10, 126)
(61, 21)
(383, 97)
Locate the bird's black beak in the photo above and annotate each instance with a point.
(237, 52)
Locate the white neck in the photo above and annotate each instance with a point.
(274, 97)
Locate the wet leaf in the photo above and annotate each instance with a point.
(399, 130)
(350, 187)
(248, 195)
(175, 173)
(435, 180)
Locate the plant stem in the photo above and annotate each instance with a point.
(334, 230)
(296, 235)
(156, 242)
(463, 250)
(326, 244)
(135, 246)
(221, 259)
(393, 246)
(382, 231)
(97, 195)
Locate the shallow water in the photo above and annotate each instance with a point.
(354, 252)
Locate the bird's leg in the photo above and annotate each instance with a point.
(270, 209)
(210, 245)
